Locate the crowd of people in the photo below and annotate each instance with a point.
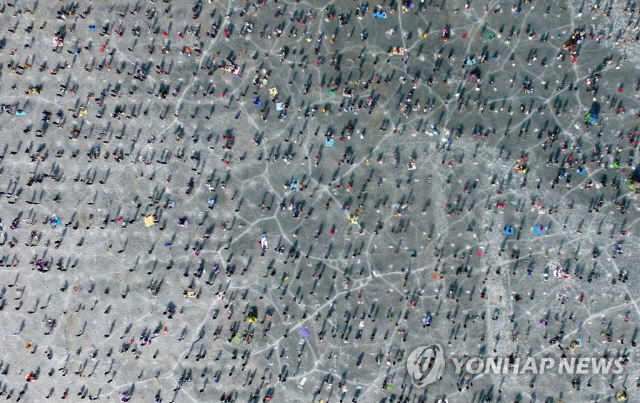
(320, 165)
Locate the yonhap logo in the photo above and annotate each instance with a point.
(426, 365)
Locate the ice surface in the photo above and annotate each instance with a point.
(402, 218)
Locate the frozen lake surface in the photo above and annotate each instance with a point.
(236, 201)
